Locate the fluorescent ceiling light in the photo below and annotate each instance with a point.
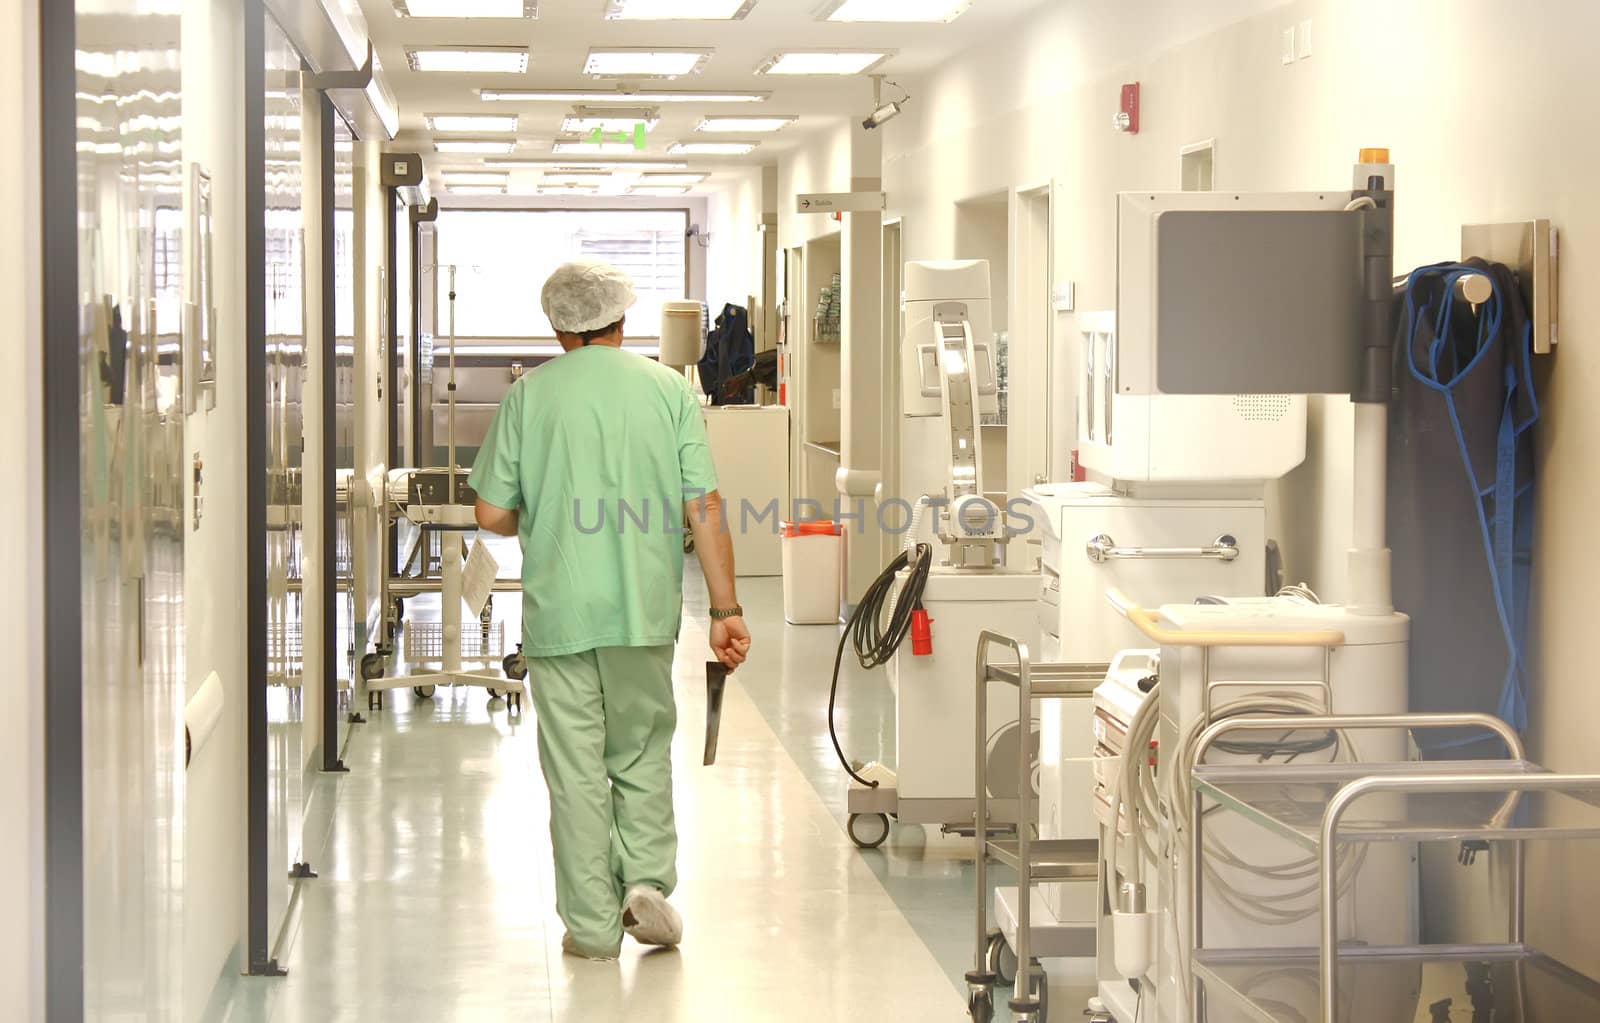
(476, 190)
(485, 59)
(453, 178)
(584, 120)
(671, 180)
(712, 148)
(896, 10)
(745, 124)
(823, 62)
(587, 165)
(584, 190)
(467, 8)
(461, 124)
(658, 191)
(678, 10)
(634, 96)
(593, 148)
(499, 147)
(644, 62)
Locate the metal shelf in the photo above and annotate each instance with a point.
(1321, 806)
(1069, 859)
(1052, 681)
(1292, 802)
(1512, 984)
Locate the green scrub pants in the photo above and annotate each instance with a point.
(606, 719)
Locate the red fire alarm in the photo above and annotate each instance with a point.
(1127, 119)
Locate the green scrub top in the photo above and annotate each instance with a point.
(598, 450)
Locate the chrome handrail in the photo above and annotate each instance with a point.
(1102, 548)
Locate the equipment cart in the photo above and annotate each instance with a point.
(1018, 911)
(1322, 806)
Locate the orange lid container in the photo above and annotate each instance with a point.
(794, 529)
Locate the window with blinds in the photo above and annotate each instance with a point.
(503, 257)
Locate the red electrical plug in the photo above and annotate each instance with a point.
(921, 633)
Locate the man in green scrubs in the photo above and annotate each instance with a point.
(592, 461)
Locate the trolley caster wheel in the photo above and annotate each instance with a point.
(868, 830)
(1000, 959)
(494, 694)
(372, 667)
(980, 1006)
(515, 666)
(1033, 1007)
(423, 692)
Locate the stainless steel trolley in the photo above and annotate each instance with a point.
(1035, 860)
(1319, 806)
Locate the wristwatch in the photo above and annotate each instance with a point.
(731, 612)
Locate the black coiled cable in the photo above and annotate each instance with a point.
(877, 634)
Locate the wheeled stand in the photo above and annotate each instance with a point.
(507, 682)
(1063, 860)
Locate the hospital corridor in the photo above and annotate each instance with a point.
(799, 511)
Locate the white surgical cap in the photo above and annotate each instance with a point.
(586, 295)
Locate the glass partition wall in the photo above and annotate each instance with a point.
(131, 181)
(341, 356)
(284, 383)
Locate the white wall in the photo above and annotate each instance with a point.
(733, 257)
(1477, 100)
(22, 516)
(823, 164)
(215, 829)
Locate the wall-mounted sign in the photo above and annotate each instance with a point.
(842, 202)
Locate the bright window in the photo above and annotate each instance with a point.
(503, 258)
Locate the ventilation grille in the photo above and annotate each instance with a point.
(1262, 408)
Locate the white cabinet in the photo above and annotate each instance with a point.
(750, 445)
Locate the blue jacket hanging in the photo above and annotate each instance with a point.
(1462, 481)
(730, 351)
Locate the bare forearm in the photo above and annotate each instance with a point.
(493, 519)
(714, 547)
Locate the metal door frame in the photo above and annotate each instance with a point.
(63, 534)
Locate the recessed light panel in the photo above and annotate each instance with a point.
(469, 59)
(896, 10)
(454, 178)
(476, 190)
(483, 146)
(744, 125)
(654, 191)
(584, 120)
(644, 63)
(634, 96)
(677, 10)
(712, 148)
(587, 165)
(461, 124)
(467, 8)
(671, 180)
(577, 146)
(573, 190)
(823, 62)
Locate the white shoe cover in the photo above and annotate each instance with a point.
(571, 948)
(649, 918)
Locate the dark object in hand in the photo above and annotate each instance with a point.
(716, 682)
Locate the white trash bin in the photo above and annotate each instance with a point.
(813, 558)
